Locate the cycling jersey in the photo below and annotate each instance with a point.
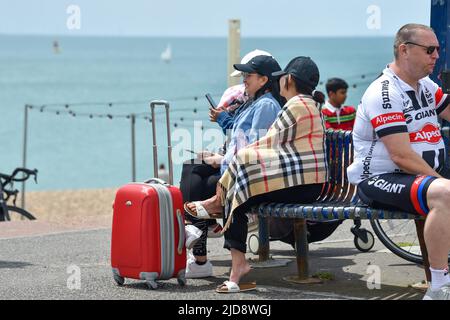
(391, 106)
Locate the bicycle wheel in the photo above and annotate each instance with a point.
(400, 237)
(18, 214)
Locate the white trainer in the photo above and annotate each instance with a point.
(194, 270)
(442, 294)
(193, 234)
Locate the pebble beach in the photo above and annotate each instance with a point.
(91, 208)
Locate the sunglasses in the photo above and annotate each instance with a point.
(430, 49)
(245, 75)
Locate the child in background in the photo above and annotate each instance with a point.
(337, 116)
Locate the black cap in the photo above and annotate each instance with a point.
(263, 65)
(302, 68)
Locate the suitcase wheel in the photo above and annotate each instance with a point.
(181, 281)
(119, 280)
(253, 244)
(152, 285)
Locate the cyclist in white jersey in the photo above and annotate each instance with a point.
(391, 106)
(399, 150)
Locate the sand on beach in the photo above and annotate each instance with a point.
(72, 208)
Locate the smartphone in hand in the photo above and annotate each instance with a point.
(211, 101)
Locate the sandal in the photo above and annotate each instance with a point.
(233, 287)
(201, 211)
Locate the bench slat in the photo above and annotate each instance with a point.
(323, 212)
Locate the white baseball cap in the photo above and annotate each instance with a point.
(249, 56)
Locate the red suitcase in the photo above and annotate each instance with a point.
(148, 237)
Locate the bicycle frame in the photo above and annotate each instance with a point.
(10, 179)
(4, 215)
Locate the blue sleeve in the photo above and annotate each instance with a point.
(264, 116)
(225, 121)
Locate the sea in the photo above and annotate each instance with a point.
(82, 92)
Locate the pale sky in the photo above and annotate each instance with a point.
(208, 18)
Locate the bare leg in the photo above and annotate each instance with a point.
(437, 238)
(213, 205)
(239, 266)
(437, 225)
(201, 258)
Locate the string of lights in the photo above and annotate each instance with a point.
(123, 103)
(180, 122)
(189, 115)
(368, 78)
(195, 98)
(44, 109)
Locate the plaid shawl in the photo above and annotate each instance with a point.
(291, 153)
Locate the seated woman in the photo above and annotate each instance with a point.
(199, 176)
(288, 164)
(254, 118)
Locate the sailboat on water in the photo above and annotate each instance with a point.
(56, 48)
(166, 55)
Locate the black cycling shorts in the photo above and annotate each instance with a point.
(397, 191)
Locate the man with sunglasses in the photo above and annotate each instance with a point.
(399, 150)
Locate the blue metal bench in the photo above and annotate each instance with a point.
(337, 201)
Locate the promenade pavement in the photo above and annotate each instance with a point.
(39, 261)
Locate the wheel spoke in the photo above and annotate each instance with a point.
(387, 238)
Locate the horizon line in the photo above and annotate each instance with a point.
(188, 36)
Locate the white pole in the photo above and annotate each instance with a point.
(234, 48)
(24, 155)
(133, 147)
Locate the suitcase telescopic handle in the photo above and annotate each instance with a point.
(156, 181)
(182, 232)
(154, 104)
